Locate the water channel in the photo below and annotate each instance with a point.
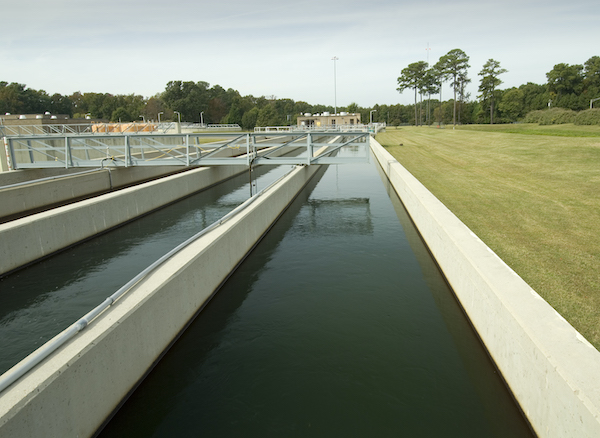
(337, 324)
(38, 302)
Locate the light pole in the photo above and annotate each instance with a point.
(334, 59)
(202, 118)
(159, 116)
(371, 116)
(178, 116)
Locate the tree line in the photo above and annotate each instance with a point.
(568, 86)
(185, 101)
(571, 87)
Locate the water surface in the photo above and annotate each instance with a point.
(337, 324)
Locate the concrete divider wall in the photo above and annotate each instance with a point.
(74, 391)
(553, 372)
(28, 239)
(38, 194)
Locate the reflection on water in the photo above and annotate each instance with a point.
(329, 328)
(339, 216)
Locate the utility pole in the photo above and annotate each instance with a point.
(334, 59)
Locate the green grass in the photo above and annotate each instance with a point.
(531, 193)
(566, 130)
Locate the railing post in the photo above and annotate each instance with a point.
(309, 150)
(187, 149)
(9, 157)
(127, 151)
(68, 156)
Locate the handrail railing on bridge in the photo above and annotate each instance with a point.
(194, 149)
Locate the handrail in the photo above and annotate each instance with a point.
(20, 369)
(180, 149)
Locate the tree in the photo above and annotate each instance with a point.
(455, 64)
(412, 77)
(267, 116)
(565, 79)
(431, 85)
(512, 104)
(489, 81)
(439, 70)
(249, 119)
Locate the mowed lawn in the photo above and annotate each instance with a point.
(532, 193)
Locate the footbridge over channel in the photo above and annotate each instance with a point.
(185, 150)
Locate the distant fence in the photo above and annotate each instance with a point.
(373, 128)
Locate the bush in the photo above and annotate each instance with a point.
(588, 117)
(533, 116)
(552, 116)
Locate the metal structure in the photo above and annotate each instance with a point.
(202, 149)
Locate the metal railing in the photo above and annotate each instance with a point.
(198, 149)
(321, 128)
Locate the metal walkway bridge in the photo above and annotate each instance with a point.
(203, 149)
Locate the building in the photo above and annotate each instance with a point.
(327, 120)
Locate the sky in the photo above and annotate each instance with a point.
(285, 48)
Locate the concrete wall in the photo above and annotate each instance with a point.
(553, 372)
(39, 194)
(72, 392)
(25, 240)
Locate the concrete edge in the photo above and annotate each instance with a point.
(550, 368)
(72, 392)
(30, 238)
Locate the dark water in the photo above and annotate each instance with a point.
(337, 325)
(38, 302)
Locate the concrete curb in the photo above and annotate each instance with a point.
(73, 391)
(550, 368)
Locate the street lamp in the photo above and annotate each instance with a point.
(593, 100)
(371, 116)
(162, 112)
(178, 116)
(334, 59)
(143, 119)
(202, 118)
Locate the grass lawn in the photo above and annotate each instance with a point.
(532, 193)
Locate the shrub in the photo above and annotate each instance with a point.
(533, 116)
(588, 117)
(552, 116)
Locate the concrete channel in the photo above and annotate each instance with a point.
(121, 344)
(550, 368)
